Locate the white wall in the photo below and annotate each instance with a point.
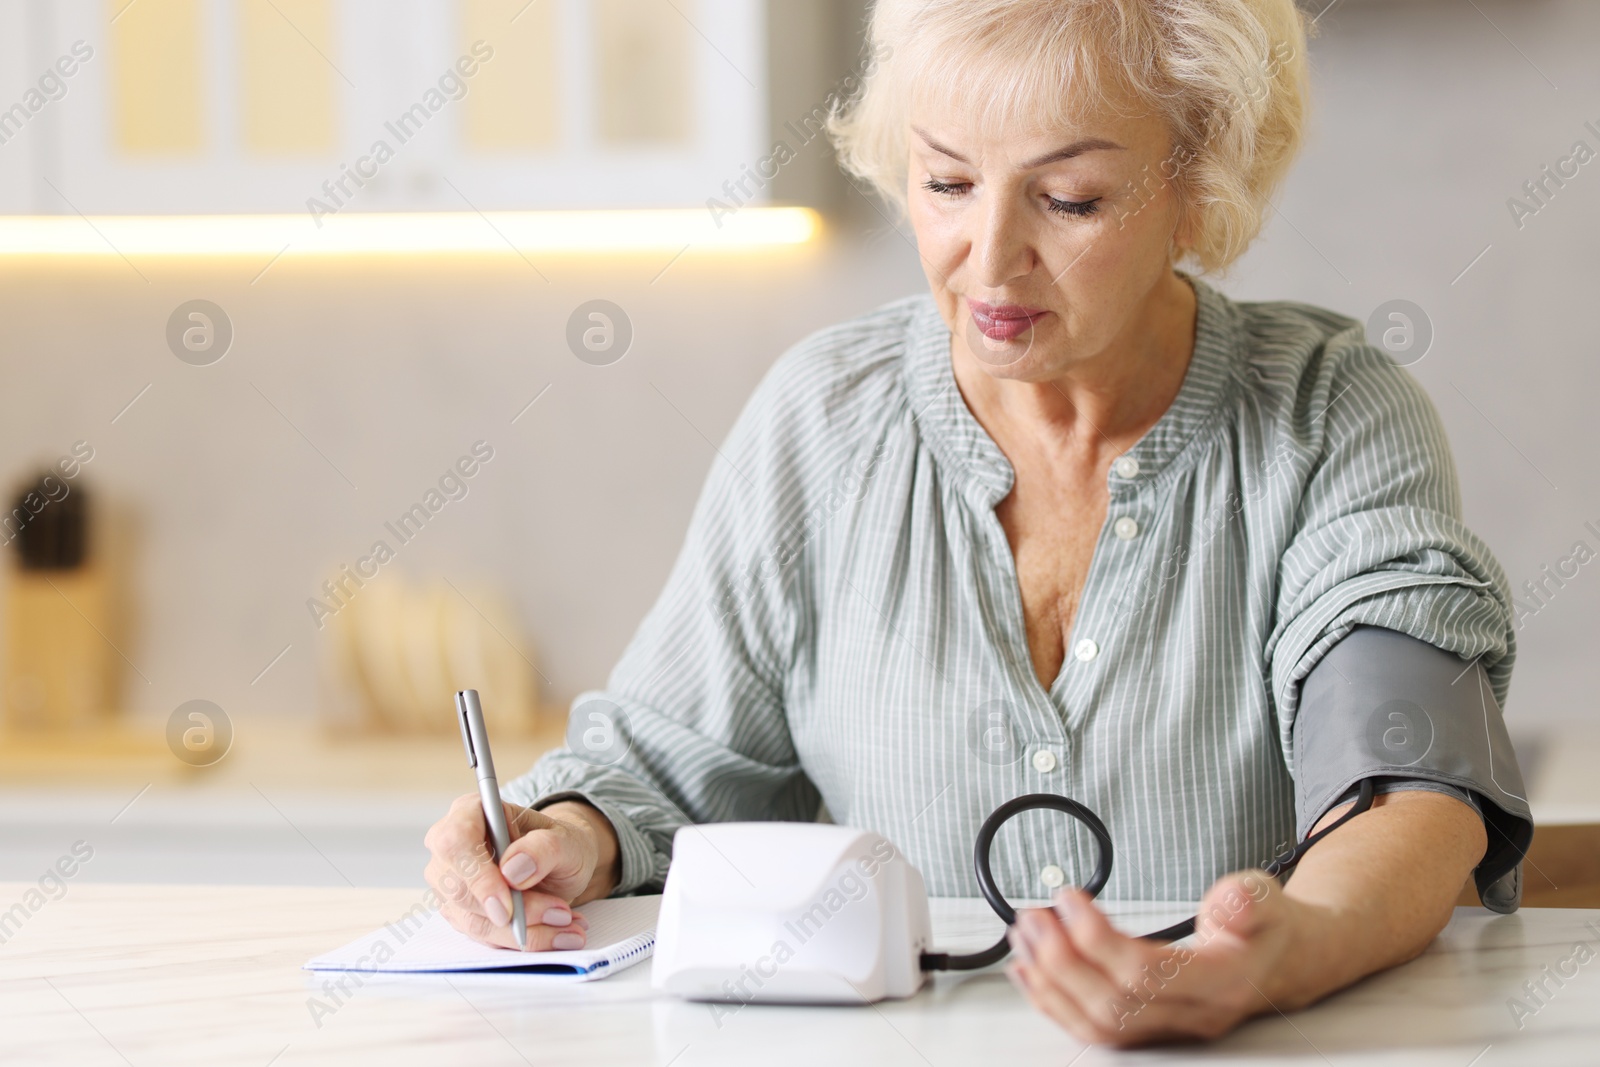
(1428, 119)
(393, 372)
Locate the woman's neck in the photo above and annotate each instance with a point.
(1105, 402)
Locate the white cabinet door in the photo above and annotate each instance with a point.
(305, 106)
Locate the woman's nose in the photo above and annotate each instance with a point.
(1001, 241)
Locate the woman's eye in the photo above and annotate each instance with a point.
(934, 185)
(1073, 207)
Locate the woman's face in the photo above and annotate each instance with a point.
(1044, 248)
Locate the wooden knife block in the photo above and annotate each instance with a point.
(60, 669)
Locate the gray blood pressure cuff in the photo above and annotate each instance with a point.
(1381, 704)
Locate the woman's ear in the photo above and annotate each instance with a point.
(1184, 226)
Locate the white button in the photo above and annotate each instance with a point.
(1125, 467)
(1053, 876)
(1125, 528)
(1086, 650)
(1044, 761)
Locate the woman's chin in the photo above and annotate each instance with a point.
(999, 355)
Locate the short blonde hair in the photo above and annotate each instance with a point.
(1229, 77)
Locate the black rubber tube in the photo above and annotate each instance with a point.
(944, 961)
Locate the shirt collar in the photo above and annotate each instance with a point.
(966, 452)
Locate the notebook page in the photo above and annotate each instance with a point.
(621, 932)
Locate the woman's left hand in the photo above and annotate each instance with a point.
(1105, 987)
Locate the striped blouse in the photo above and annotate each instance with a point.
(843, 629)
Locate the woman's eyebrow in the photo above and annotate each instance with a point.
(937, 147)
(1083, 144)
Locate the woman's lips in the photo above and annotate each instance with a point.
(1002, 322)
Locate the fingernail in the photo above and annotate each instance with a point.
(567, 940)
(519, 869)
(496, 911)
(557, 917)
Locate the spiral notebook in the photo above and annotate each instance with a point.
(622, 931)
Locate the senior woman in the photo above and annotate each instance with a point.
(1072, 522)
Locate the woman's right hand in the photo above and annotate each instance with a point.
(553, 862)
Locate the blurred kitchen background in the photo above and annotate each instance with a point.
(245, 345)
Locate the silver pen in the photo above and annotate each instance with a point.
(476, 737)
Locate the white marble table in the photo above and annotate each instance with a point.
(154, 975)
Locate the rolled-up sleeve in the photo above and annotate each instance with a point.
(690, 726)
(1380, 554)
